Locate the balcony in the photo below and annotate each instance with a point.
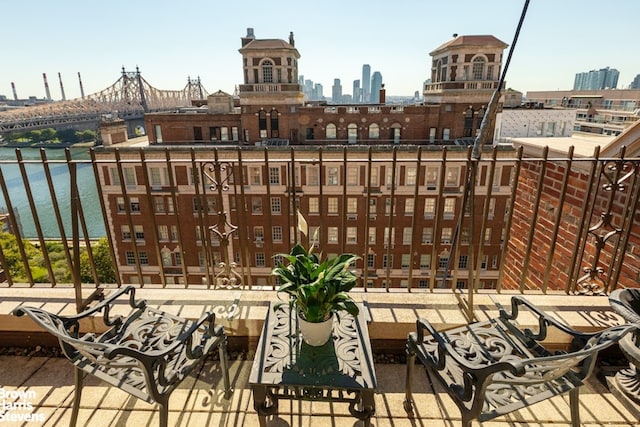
(563, 231)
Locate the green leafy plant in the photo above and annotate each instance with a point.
(317, 289)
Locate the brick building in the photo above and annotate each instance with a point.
(270, 104)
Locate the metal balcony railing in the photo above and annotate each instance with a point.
(193, 217)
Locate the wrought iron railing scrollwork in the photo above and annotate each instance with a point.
(619, 176)
(217, 177)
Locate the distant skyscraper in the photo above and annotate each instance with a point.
(336, 91)
(366, 83)
(356, 91)
(376, 85)
(604, 78)
(318, 92)
(635, 84)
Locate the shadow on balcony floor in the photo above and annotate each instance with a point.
(44, 385)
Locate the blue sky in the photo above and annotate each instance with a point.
(171, 40)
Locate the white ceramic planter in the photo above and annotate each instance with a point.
(316, 334)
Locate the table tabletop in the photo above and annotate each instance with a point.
(284, 359)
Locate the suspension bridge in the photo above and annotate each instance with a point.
(129, 98)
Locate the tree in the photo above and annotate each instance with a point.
(67, 135)
(103, 263)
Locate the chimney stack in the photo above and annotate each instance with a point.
(383, 94)
(46, 87)
(15, 94)
(64, 98)
(81, 88)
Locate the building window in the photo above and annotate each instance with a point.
(314, 234)
(258, 233)
(332, 205)
(432, 135)
(352, 205)
(129, 176)
(314, 205)
(163, 233)
(255, 176)
(374, 176)
(370, 261)
(429, 207)
(352, 130)
(276, 207)
(262, 123)
(139, 232)
(449, 207)
(332, 235)
(274, 124)
(276, 231)
(408, 206)
(120, 204)
(463, 262)
(431, 178)
(487, 236)
(313, 175)
(158, 204)
(256, 205)
(445, 134)
(331, 131)
(443, 261)
(447, 233)
(274, 176)
(425, 261)
(267, 72)
(374, 131)
(387, 261)
(352, 175)
(352, 235)
(452, 178)
(387, 206)
(478, 68)
(144, 259)
(260, 260)
(332, 176)
(131, 259)
(407, 235)
(135, 204)
(405, 261)
(125, 231)
(389, 237)
(371, 235)
(427, 235)
(411, 176)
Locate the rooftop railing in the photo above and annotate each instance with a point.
(421, 219)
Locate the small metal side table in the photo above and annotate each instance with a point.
(285, 367)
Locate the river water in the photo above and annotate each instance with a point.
(40, 190)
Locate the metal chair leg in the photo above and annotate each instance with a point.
(78, 376)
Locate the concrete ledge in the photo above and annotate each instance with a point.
(392, 314)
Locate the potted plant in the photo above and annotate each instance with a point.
(317, 290)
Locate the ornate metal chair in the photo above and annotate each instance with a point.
(147, 353)
(626, 383)
(492, 368)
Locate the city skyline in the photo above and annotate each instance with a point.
(558, 40)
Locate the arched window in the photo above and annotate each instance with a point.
(262, 123)
(374, 131)
(478, 68)
(395, 132)
(274, 124)
(331, 131)
(267, 72)
(352, 133)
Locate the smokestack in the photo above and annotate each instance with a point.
(15, 94)
(64, 98)
(81, 88)
(46, 87)
(383, 94)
